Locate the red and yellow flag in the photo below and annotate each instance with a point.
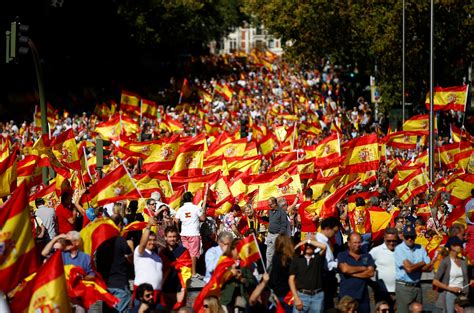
(8, 174)
(96, 232)
(171, 125)
(402, 140)
(64, 148)
(109, 130)
(149, 109)
(46, 292)
(418, 124)
(130, 102)
(449, 98)
(87, 292)
(189, 161)
(362, 154)
(18, 256)
(224, 90)
(248, 251)
(267, 145)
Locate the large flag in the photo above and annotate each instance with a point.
(449, 98)
(130, 103)
(46, 292)
(163, 156)
(224, 90)
(64, 148)
(8, 174)
(362, 154)
(17, 247)
(326, 150)
(402, 140)
(189, 161)
(418, 124)
(149, 109)
(220, 275)
(115, 186)
(87, 292)
(96, 232)
(182, 264)
(248, 251)
(109, 130)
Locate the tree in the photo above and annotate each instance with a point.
(369, 33)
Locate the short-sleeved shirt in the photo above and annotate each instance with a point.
(63, 215)
(48, 216)
(172, 282)
(111, 262)
(307, 274)
(385, 262)
(353, 286)
(414, 255)
(148, 268)
(81, 259)
(189, 215)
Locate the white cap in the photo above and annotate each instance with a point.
(155, 195)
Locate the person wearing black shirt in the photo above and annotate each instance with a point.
(280, 269)
(305, 277)
(113, 259)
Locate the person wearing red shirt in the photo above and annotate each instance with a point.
(66, 213)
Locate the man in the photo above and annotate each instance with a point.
(190, 216)
(174, 287)
(400, 222)
(213, 254)
(416, 307)
(71, 254)
(48, 217)
(329, 228)
(291, 214)
(114, 258)
(356, 269)
(148, 264)
(144, 297)
(383, 256)
(410, 261)
(278, 224)
(305, 277)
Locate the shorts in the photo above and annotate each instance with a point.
(193, 244)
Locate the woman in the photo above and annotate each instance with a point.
(212, 305)
(235, 291)
(451, 277)
(280, 270)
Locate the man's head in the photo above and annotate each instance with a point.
(399, 222)
(457, 230)
(409, 235)
(330, 226)
(272, 203)
(360, 201)
(416, 307)
(151, 204)
(282, 204)
(73, 241)
(151, 243)
(225, 240)
(38, 202)
(382, 307)
(144, 293)
(355, 243)
(391, 238)
(187, 197)
(248, 210)
(308, 194)
(171, 236)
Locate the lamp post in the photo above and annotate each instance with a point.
(432, 143)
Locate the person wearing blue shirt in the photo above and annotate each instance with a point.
(213, 254)
(356, 268)
(410, 261)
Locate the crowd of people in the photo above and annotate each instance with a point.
(310, 260)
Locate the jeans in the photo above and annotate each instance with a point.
(450, 297)
(271, 238)
(124, 296)
(311, 304)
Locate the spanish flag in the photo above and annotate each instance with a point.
(87, 292)
(448, 152)
(189, 161)
(64, 148)
(115, 186)
(18, 256)
(415, 183)
(449, 98)
(96, 232)
(171, 125)
(283, 161)
(205, 96)
(163, 156)
(224, 90)
(8, 174)
(418, 124)
(326, 150)
(248, 251)
(402, 140)
(129, 126)
(4, 150)
(232, 149)
(220, 275)
(267, 145)
(182, 264)
(251, 164)
(109, 130)
(460, 190)
(130, 102)
(133, 226)
(362, 154)
(46, 292)
(149, 109)
(27, 170)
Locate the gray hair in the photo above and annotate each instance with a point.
(224, 235)
(281, 202)
(75, 235)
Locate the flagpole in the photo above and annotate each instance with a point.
(260, 253)
(432, 142)
(169, 180)
(403, 62)
(131, 179)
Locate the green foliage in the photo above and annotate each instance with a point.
(370, 32)
(179, 25)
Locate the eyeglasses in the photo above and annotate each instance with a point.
(152, 203)
(391, 241)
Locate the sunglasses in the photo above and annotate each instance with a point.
(391, 241)
(206, 306)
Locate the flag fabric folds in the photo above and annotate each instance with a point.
(449, 98)
(96, 232)
(248, 251)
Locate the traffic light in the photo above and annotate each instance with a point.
(17, 41)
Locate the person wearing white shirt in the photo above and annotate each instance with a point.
(383, 256)
(213, 254)
(148, 264)
(191, 216)
(329, 228)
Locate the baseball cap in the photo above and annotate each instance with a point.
(155, 195)
(409, 230)
(453, 241)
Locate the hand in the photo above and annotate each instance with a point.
(298, 303)
(265, 278)
(407, 263)
(455, 289)
(151, 222)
